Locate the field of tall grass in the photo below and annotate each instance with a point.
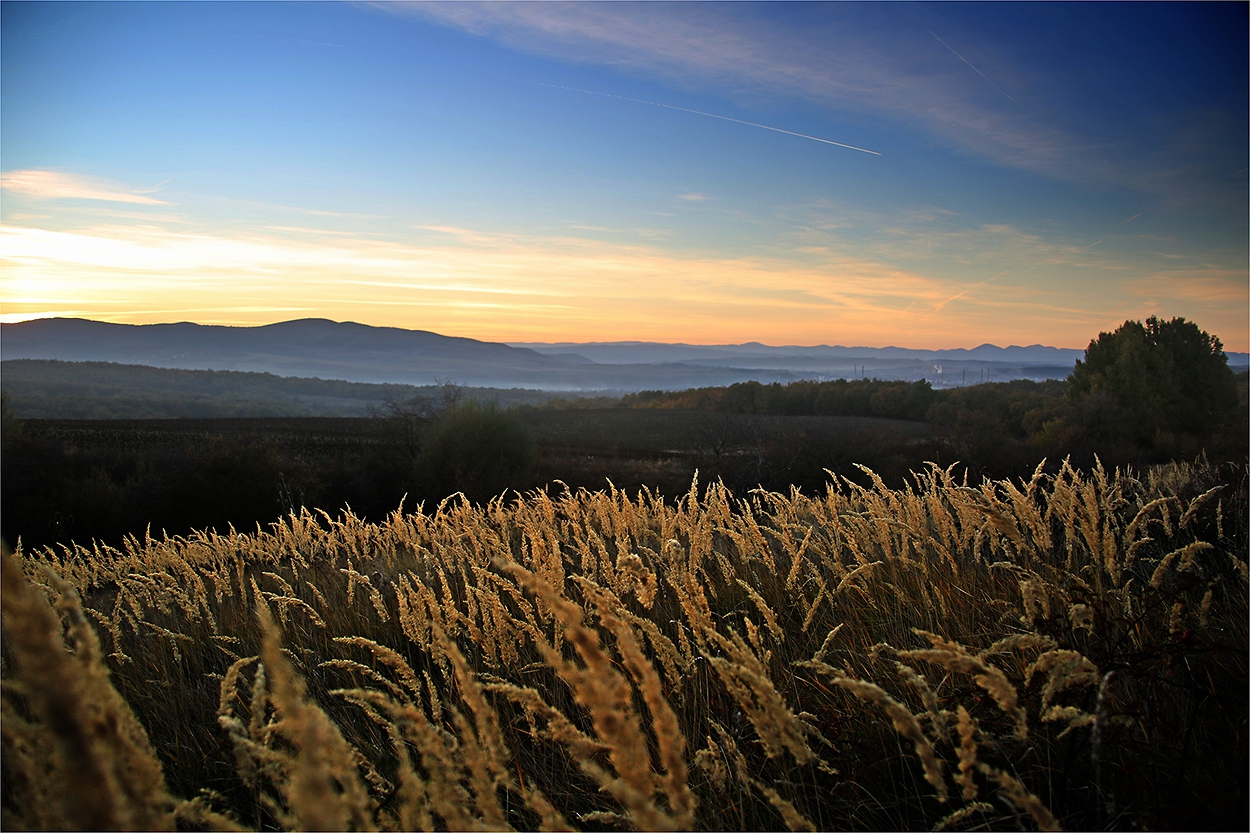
(1067, 651)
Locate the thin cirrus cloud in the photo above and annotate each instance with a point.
(58, 185)
(909, 77)
(503, 286)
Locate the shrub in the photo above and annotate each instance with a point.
(479, 450)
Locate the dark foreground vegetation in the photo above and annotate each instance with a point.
(1069, 651)
(1058, 646)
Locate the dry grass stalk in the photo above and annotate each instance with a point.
(1204, 607)
(1081, 616)
(241, 735)
(793, 818)
(1018, 642)
(557, 726)
(604, 817)
(196, 814)
(1074, 717)
(669, 738)
(825, 646)
(1188, 554)
(962, 813)
(738, 766)
(967, 728)
(955, 657)
(710, 760)
(485, 750)
(390, 659)
(443, 792)
(284, 602)
(748, 681)
(797, 559)
(107, 774)
(353, 667)
(1036, 598)
(905, 723)
(601, 690)
(324, 791)
(1022, 798)
(865, 570)
(674, 663)
(822, 592)
(937, 720)
(1064, 669)
(29, 769)
(1197, 503)
(770, 618)
(1176, 623)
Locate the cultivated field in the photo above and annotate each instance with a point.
(1068, 651)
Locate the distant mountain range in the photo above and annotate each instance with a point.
(942, 367)
(325, 349)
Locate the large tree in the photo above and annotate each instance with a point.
(1162, 375)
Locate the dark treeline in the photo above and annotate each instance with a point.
(841, 397)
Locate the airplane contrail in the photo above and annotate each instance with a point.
(711, 115)
(974, 69)
(940, 305)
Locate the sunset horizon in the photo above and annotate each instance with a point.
(597, 341)
(926, 177)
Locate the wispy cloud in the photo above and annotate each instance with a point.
(1200, 285)
(908, 77)
(693, 196)
(580, 287)
(926, 285)
(58, 185)
(517, 286)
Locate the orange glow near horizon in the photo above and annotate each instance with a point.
(498, 287)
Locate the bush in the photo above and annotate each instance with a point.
(476, 449)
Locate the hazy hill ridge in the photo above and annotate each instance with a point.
(632, 352)
(314, 347)
(305, 347)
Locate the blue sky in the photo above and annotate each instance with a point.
(1041, 172)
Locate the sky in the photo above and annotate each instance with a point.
(870, 174)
